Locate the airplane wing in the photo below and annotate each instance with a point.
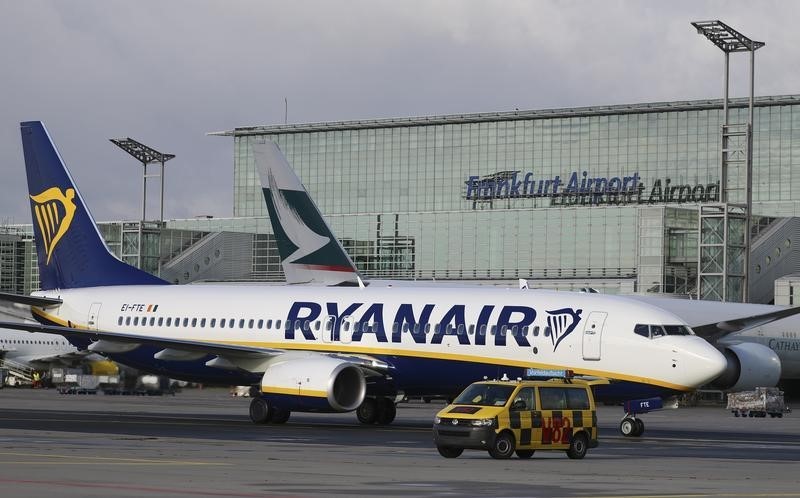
(714, 320)
(42, 302)
(250, 358)
(716, 331)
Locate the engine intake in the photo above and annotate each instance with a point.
(314, 382)
(750, 365)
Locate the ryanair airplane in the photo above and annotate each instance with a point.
(333, 348)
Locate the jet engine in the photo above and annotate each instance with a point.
(750, 365)
(313, 382)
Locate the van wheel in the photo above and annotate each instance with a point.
(578, 446)
(450, 451)
(503, 446)
(524, 454)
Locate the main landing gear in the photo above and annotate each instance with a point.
(380, 410)
(262, 412)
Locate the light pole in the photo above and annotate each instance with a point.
(146, 155)
(729, 40)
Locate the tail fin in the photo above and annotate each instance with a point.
(308, 249)
(70, 249)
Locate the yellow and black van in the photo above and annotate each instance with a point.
(520, 416)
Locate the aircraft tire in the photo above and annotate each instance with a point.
(260, 411)
(639, 428)
(627, 427)
(367, 411)
(280, 416)
(387, 411)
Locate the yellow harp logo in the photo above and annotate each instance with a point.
(54, 211)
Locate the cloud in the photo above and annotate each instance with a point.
(165, 73)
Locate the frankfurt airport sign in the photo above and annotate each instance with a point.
(581, 189)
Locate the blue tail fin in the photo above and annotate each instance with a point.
(70, 249)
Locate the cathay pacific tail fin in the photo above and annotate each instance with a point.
(70, 249)
(308, 249)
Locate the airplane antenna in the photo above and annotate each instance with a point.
(285, 110)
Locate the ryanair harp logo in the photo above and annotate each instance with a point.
(54, 211)
(562, 322)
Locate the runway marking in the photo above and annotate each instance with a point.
(704, 495)
(111, 460)
(159, 491)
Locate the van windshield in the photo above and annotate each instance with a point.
(485, 395)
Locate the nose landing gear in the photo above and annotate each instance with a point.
(630, 426)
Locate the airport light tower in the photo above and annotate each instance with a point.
(146, 155)
(724, 230)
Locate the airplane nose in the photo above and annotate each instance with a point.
(709, 362)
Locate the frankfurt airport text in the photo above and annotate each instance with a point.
(582, 189)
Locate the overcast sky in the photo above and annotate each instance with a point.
(168, 72)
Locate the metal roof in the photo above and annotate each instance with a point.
(516, 115)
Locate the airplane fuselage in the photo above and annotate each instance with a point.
(435, 339)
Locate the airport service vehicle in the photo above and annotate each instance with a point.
(759, 402)
(521, 416)
(330, 348)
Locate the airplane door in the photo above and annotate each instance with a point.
(592, 335)
(94, 316)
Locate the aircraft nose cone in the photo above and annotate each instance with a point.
(710, 362)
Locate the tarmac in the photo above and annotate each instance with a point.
(201, 443)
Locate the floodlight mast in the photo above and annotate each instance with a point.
(729, 40)
(145, 155)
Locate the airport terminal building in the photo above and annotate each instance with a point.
(604, 197)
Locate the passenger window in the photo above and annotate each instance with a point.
(194, 322)
(169, 321)
(213, 323)
(494, 330)
(577, 399)
(222, 323)
(523, 401)
(202, 322)
(152, 321)
(261, 324)
(642, 330)
(160, 321)
(177, 322)
(269, 323)
(241, 323)
(231, 322)
(136, 320)
(127, 320)
(553, 398)
(471, 329)
(119, 321)
(250, 323)
(277, 324)
(536, 331)
(483, 329)
(185, 322)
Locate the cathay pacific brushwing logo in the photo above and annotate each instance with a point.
(54, 210)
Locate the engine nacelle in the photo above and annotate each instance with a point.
(750, 365)
(313, 382)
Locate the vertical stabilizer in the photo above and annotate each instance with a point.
(308, 249)
(70, 249)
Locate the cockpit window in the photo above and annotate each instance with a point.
(654, 331)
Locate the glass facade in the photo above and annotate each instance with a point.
(443, 197)
(607, 196)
